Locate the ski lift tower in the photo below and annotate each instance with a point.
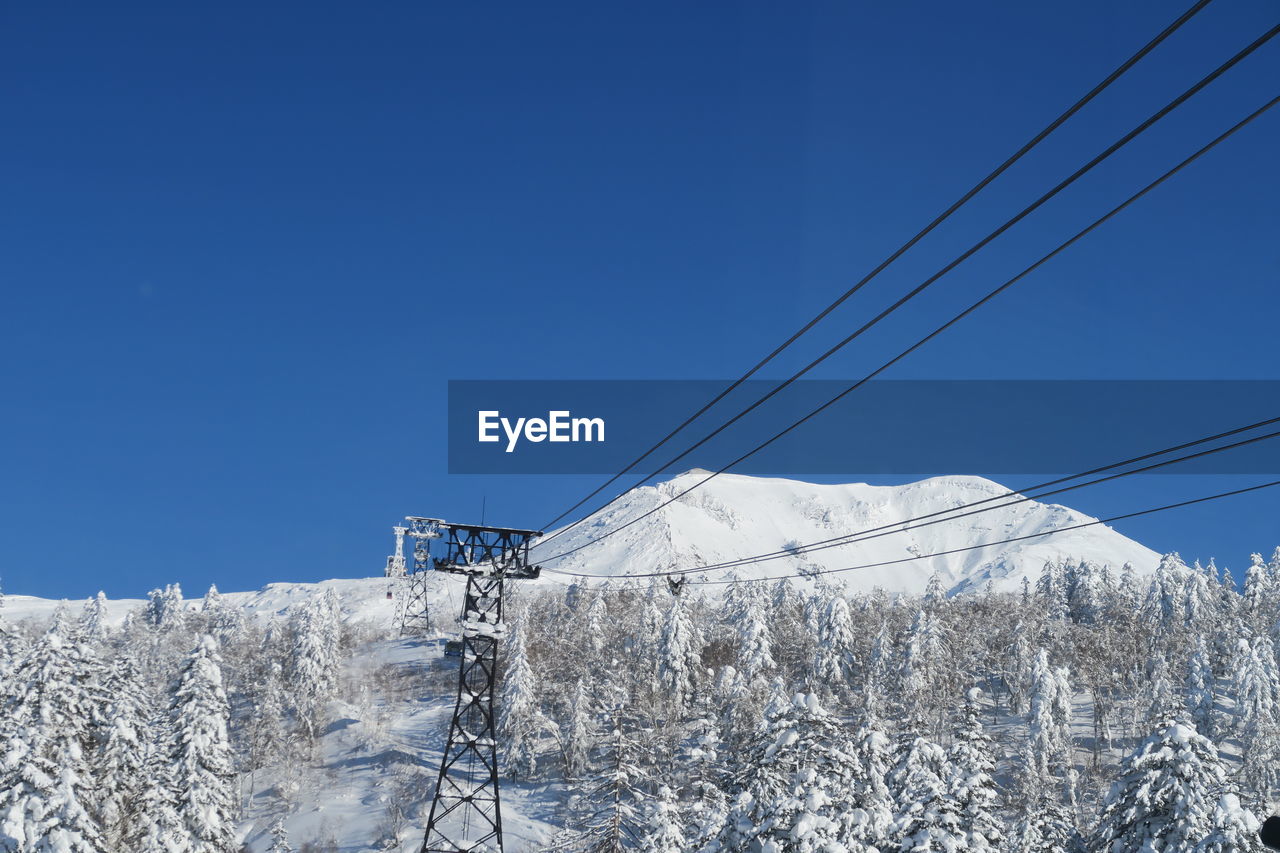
(466, 813)
(411, 607)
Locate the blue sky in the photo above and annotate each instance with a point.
(246, 245)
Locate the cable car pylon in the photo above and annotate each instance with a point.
(466, 815)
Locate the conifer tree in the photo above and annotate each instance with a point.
(156, 827)
(279, 838)
(1200, 695)
(1049, 728)
(519, 717)
(1235, 829)
(201, 767)
(46, 786)
(613, 825)
(928, 815)
(873, 824)
(578, 733)
(972, 784)
(93, 622)
(678, 661)
(1165, 796)
(834, 659)
(121, 753)
(796, 783)
(755, 640)
(663, 830)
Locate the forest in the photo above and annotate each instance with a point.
(1096, 710)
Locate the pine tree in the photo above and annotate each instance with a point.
(924, 656)
(755, 640)
(579, 733)
(156, 827)
(519, 718)
(313, 663)
(663, 831)
(165, 609)
(834, 659)
(678, 660)
(796, 783)
(1235, 829)
(266, 735)
(1049, 728)
(201, 767)
(1256, 690)
(597, 620)
(1045, 828)
(121, 753)
(613, 826)
(46, 786)
(279, 838)
(1165, 796)
(972, 784)
(93, 622)
(928, 815)
(872, 825)
(1200, 696)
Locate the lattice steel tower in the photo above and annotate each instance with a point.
(466, 814)
(412, 609)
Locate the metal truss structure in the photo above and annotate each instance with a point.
(409, 586)
(466, 814)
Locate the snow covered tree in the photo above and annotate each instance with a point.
(1235, 829)
(1256, 690)
(46, 786)
(1052, 591)
(678, 660)
(663, 830)
(1049, 728)
(928, 814)
(266, 735)
(165, 608)
(156, 827)
(597, 620)
(796, 783)
(613, 825)
(834, 660)
(93, 621)
(875, 761)
(1200, 694)
(121, 753)
(755, 640)
(313, 663)
(1045, 828)
(201, 768)
(279, 838)
(924, 658)
(519, 717)
(972, 783)
(579, 733)
(1165, 796)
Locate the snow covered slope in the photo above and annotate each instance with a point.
(735, 516)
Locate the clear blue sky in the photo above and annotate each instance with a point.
(245, 245)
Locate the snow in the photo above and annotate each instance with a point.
(735, 516)
(397, 738)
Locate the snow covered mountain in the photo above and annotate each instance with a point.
(735, 516)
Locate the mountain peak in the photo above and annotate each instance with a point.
(736, 516)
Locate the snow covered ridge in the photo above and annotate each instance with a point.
(735, 516)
